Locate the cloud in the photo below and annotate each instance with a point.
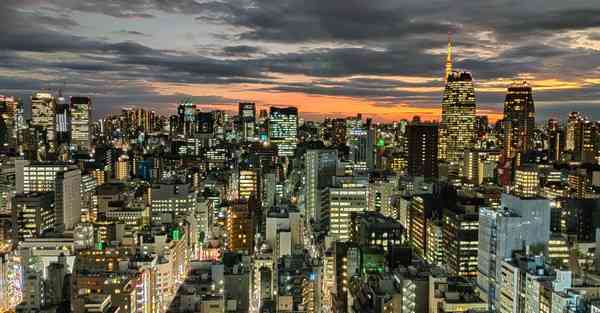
(241, 50)
(132, 33)
(328, 43)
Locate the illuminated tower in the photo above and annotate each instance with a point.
(448, 59)
(43, 114)
(555, 140)
(519, 119)
(458, 116)
(283, 130)
(247, 116)
(63, 119)
(81, 111)
(572, 123)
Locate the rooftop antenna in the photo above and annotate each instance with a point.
(449, 57)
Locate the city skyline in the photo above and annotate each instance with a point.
(382, 59)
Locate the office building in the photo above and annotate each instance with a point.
(63, 121)
(283, 130)
(81, 118)
(122, 168)
(34, 214)
(64, 180)
(555, 140)
(320, 167)
(170, 199)
(519, 223)
(527, 182)
(248, 184)
(519, 120)
(422, 150)
(240, 226)
(346, 195)
(373, 229)
(458, 117)
(247, 120)
(461, 243)
(43, 114)
(573, 122)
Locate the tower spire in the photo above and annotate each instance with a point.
(449, 58)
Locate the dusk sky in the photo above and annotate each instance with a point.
(383, 58)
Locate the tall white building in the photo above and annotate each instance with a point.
(518, 224)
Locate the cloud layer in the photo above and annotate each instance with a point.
(383, 57)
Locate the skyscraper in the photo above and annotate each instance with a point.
(586, 134)
(458, 116)
(63, 121)
(43, 114)
(519, 119)
(247, 117)
(346, 195)
(422, 149)
(320, 166)
(81, 111)
(574, 119)
(555, 140)
(283, 129)
(8, 119)
(520, 223)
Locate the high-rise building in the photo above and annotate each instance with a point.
(240, 227)
(248, 183)
(9, 107)
(586, 134)
(169, 199)
(320, 167)
(360, 139)
(338, 131)
(34, 213)
(519, 119)
(122, 168)
(247, 118)
(374, 229)
(526, 182)
(283, 130)
(68, 198)
(572, 123)
(520, 223)
(81, 111)
(43, 114)
(63, 120)
(555, 140)
(422, 150)
(458, 117)
(461, 242)
(346, 195)
(64, 180)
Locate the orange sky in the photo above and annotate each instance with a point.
(311, 106)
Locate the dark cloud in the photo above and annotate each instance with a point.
(498, 39)
(132, 33)
(241, 50)
(309, 20)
